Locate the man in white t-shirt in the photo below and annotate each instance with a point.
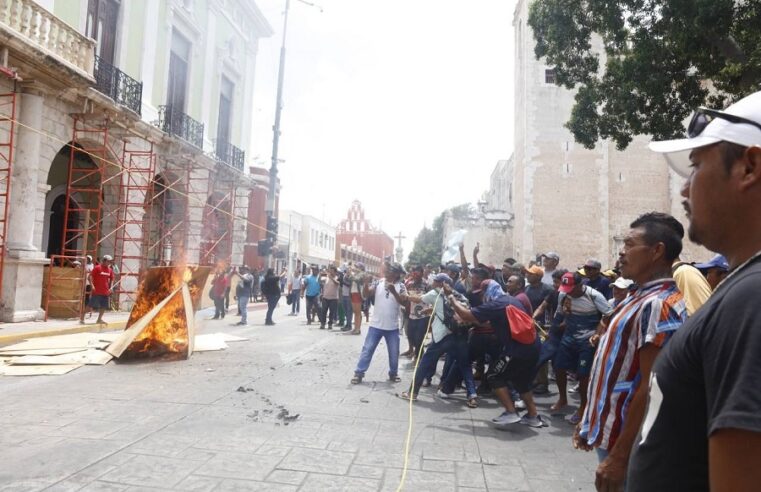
(389, 295)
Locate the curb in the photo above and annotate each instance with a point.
(66, 330)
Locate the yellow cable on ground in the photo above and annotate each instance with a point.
(412, 396)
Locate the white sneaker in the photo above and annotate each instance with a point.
(532, 421)
(520, 405)
(442, 395)
(507, 418)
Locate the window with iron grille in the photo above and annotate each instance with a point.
(549, 76)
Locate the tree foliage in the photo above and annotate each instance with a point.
(662, 59)
(429, 243)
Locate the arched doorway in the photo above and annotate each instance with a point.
(56, 217)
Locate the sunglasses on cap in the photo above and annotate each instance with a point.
(704, 116)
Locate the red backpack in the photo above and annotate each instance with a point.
(521, 325)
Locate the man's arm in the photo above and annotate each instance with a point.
(463, 262)
(464, 313)
(367, 291)
(612, 471)
(401, 297)
(476, 250)
(733, 459)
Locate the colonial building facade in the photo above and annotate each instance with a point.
(358, 230)
(569, 199)
(126, 132)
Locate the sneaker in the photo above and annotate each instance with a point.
(346, 328)
(520, 405)
(574, 389)
(573, 419)
(322, 327)
(442, 395)
(507, 418)
(532, 421)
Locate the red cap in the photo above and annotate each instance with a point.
(567, 283)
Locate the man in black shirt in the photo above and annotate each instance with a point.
(702, 429)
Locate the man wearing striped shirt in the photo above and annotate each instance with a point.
(637, 330)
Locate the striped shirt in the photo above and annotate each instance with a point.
(649, 315)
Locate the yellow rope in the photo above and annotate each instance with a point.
(411, 395)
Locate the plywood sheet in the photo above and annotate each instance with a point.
(231, 338)
(16, 353)
(46, 370)
(89, 357)
(209, 342)
(73, 341)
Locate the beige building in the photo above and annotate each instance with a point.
(569, 199)
(124, 132)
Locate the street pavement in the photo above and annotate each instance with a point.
(275, 413)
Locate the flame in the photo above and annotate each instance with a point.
(167, 333)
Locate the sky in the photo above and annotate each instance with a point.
(405, 105)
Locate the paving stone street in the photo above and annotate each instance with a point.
(274, 413)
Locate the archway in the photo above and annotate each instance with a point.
(56, 216)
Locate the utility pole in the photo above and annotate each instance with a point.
(270, 207)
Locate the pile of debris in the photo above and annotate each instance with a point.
(161, 324)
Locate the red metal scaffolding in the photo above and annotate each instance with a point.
(7, 127)
(219, 218)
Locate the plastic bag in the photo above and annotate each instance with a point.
(452, 250)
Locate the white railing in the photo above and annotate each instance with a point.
(41, 28)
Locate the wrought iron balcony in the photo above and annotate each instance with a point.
(175, 122)
(230, 154)
(117, 85)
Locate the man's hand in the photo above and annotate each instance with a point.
(610, 475)
(447, 289)
(477, 249)
(594, 340)
(391, 287)
(579, 442)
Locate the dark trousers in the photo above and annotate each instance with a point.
(456, 348)
(219, 307)
(313, 306)
(481, 346)
(329, 305)
(416, 330)
(227, 299)
(348, 310)
(271, 304)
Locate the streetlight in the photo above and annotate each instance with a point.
(270, 206)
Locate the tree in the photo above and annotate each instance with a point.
(663, 59)
(429, 242)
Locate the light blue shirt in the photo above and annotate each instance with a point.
(438, 329)
(312, 286)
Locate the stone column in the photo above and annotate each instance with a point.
(23, 270)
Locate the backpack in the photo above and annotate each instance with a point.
(521, 325)
(455, 326)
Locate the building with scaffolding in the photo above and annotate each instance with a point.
(132, 146)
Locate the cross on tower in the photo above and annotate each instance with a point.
(399, 249)
(400, 237)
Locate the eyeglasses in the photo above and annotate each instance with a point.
(704, 116)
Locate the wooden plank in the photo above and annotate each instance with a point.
(37, 370)
(88, 357)
(18, 353)
(73, 341)
(190, 318)
(209, 342)
(119, 345)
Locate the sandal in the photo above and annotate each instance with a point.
(406, 396)
(395, 379)
(356, 380)
(472, 402)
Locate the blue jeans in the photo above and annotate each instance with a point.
(296, 304)
(456, 348)
(243, 308)
(271, 305)
(372, 340)
(348, 310)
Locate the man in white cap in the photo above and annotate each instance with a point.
(702, 429)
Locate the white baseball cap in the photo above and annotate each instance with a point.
(108, 258)
(622, 283)
(740, 124)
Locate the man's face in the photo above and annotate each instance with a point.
(453, 275)
(619, 294)
(549, 263)
(477, 279)
(513, 287)
(591, 272)
(556, 282)
(636, 257)
(709, 194)
(417, 275)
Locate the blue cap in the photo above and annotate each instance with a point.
(717, 261)
(454, 267)
(443, 277)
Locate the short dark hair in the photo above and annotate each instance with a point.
(731, 153)
(521, 280)
(662, 228)
(481, 272)
(510, 261)
(558, 274)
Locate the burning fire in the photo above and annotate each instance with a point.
(168, 332)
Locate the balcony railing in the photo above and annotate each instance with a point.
(175, 122)
(117, 85)
(230, 154)
(49, 33)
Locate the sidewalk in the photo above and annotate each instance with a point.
(16, 332)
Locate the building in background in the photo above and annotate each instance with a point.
(358, 230)
(490, 223)
(569, 199)
(128, 135)
(305, 240)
